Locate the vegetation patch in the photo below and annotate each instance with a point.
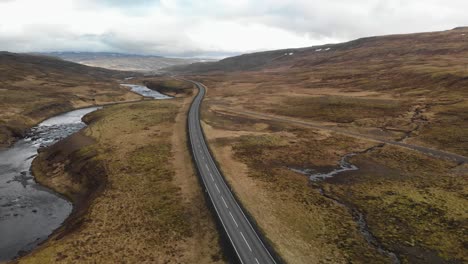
(170, 86)
(340, 109)
(412, 203)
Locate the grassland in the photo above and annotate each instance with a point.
(33, 88)
(413, 204)
(409, 88)
(135, 193)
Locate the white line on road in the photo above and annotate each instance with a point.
(233, 219)
(245, 240)
(206, 165)
(258, 262)
(224, 201)
(217, 188)
(211, 176)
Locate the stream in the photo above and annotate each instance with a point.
(30, 212)
(344, 166)
(359, 218)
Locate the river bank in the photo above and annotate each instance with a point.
(145, 202)
(25, 228)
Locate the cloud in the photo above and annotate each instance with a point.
(204, 28)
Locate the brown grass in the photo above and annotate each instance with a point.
(413, 204)
(149, 210)
(303, 226)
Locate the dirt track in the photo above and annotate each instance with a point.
(425, 150)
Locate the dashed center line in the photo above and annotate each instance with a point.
(258, 262)
(211, 176)
(217, 188)
(233, 219)
(206, 165)
(224, 201)
(245, 240)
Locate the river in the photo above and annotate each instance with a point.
(29, 212)
(145, 91)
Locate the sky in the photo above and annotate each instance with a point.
(212, 28)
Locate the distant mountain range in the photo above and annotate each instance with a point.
(123, 62)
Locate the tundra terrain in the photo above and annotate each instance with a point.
(343, 153)
(398, 204)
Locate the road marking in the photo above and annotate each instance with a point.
(258, 262)
(203, 157)
(233, 219)
(245, 240)
(217, 188)
(224, 201)
(211, 176)
(206, 165)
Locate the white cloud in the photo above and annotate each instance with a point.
(190, 27)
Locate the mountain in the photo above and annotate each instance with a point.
(390, 48)
(119, 61)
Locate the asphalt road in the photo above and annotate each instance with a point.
(247, 244)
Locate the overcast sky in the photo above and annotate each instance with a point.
(207, 28)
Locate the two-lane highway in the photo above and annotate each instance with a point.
(247, 244)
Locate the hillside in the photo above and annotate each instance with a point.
(385, 48)
(428, 69)
(35, 87)
(302, 136)
(119, 61)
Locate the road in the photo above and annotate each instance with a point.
(243, 237)
(424, 150)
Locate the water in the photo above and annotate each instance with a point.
(145, 91)
(29, 212)
(364, 228)
(343, 166)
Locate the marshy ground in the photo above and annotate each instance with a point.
(412, 204)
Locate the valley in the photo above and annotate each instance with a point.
(353, 152)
